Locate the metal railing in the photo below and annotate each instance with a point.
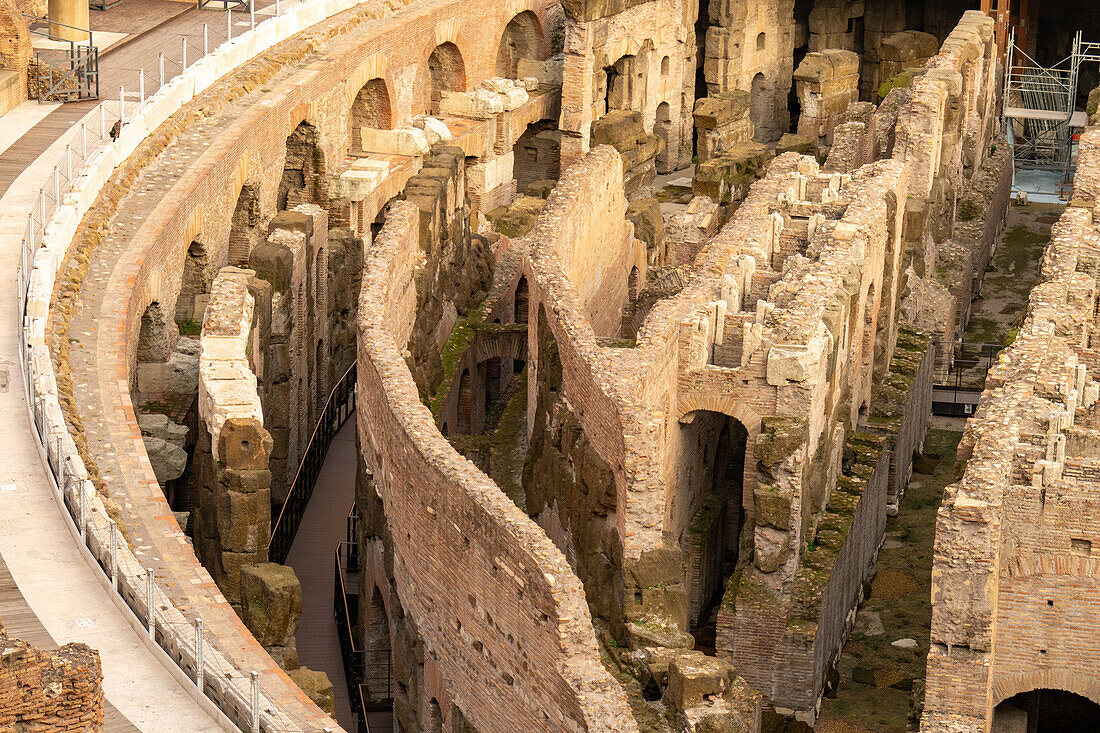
(966, 367)
(68, 73)
(368, 673)
(338, 408)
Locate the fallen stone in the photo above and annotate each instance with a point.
(905, 643)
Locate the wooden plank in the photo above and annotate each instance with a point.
(1023, 113)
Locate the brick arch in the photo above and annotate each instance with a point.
(1008, 685)
(448, 37)
(524, 37)
(724, 404)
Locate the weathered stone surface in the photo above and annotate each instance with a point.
(317, 686)
(271, 602)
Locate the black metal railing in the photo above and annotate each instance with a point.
(966, 367)
(67, 71)
(338, 408)
(368, 673)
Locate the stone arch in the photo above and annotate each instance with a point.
(1009, 685)
(622, 88)
(1047, 709)
(632, 284)
(303, 169)
(435, 717)
(155, 337)
(465, 416)
(761, 107)
(243, 226)
(662, 127)
(666, 66)
(446, 73)
(521, 301)
(708, 513)
(372, 108)
(523, 40)
(761, 41)
(537, 154)
(193, 282)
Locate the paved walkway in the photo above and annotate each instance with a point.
(313, 556)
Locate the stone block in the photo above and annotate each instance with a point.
(794, 363)
(243, 521)
(480, 104)
(403, 141)
(244, 444)
(694, 678)
(271, 602)
(317, 687)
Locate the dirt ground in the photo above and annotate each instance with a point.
(876, 678)
(1013, 272)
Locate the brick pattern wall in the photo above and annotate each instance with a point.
(49, 692)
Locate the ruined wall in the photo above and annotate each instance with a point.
(629, 56)
(483, 643)
(49, 692)
(1014, 585)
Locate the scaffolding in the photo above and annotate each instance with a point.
(1040, 112)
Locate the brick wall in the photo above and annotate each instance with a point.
(49, 692)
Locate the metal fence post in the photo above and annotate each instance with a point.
(121, 106)
(149, 602)
(84, 142)
(183, 56)
(161, 57)
(198, 654)
(114, 554)
(255, 702)
(252, 14)
(205, 39)
(102, 122)
(69, 163)
(56, 188)
(141, 83)
(42, 207)
(276, 8)
(228, 22)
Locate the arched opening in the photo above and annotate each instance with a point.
(154, 338)
(1046, 711)
(447, 73)
(435, 717)
(376, 637)
(761, 41)
(666, 65)
(465, 403)
(760, 114)
(537, 154)
(662, 127)
(620, 86)
(192, 284)
(520, 307)
(493, 387)
(242, 229)
(710, 513)
(303, 171)
(371, 108)
(521, 47)
(632, 284)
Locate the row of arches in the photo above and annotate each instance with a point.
(522, 47)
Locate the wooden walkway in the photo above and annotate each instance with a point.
(313, 556)
(21, 623)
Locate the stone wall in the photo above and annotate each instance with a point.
(827, 83)
(488, 645)
(1014, 587)
(49, 692)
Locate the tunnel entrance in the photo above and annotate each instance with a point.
(1046, 711)
(713, 485)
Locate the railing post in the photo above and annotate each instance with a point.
(69, 163)
(83, 521)
(161, 57)
(149, 602)
(42, 207)
(114, 554)
(276, 8)
(205, 39)
(252, 14)
(228, 22)
(102, 122)
(198, 654)
(56, 188)
(183, 56)
(121, 107)
(141, 83)
(84, 141)
(255, 701)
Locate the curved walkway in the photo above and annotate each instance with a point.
(56, 592)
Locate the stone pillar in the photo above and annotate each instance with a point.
(722, 121)
(828, 82)
(71, 13)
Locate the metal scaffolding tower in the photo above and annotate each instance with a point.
(1040, 106)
